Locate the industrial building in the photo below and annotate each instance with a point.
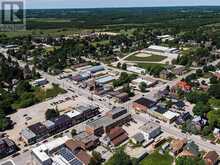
(136, 70)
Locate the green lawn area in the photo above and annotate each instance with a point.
(157, 159)
(151, 58)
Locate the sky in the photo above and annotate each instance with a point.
(116, 3)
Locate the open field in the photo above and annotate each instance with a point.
(146, 57)
(157, 159)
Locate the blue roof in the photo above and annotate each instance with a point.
(96, 68)
(105, 80)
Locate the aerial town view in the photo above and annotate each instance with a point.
(109, 82)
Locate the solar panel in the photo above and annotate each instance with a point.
(75, 162)
(67, 154)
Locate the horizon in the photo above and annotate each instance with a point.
(95, 4)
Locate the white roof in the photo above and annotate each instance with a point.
(41, 79)
(139, 80)
(72, 114)
(42, 150)
(161, 48)
(135, 69)
(170, 115)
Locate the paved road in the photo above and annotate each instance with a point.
(176, 133)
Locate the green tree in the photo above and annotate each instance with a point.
(201, 109)
(120, 158)
(73, 132)
(124, 66)
(22, 87)
(51, 114)
(142, 86)
(188, 161)
(96, 158)
(214, 90)
(214, 117)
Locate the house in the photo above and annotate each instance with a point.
(117, 136)
(211, 158)
(199, 122)
(86, 141)
(216, 133)
(7, 147)
(182, 85)
(179, 70)
(138, 138)
(143, 104)
(183, 118)
(40, 82)
(177, 146)
(113, 118)
(190, 150)
(166, 75)
(150, 130)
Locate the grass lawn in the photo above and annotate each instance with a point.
(151, 58)
(157, 159)
(150, 65)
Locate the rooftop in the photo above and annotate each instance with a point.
(27, 133)
(38, 128)
(149, 127)
(170, 115)
(145, 102)
(85, 137)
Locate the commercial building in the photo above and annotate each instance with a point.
(136, 70)
(7, 147)
(162, 49)
(105, 80)
(148, 81)
(143, 104)
(60, 151)
(87, 141)
(115, 117)
(39, 131)
(150, 130)
(138, 138)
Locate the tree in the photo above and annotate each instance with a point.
(197, 96)
(214, 117)
(143, 86)
(73, 132)
(214, 90)
(3, 121)
(124, 66)
(214, 80)
(96, 158)
(22, 87)
(120, 158)
(201, 109)
(118, 65)
(51, 114)
(189, 161)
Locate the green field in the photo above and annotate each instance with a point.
(151, 58)
(157, 159)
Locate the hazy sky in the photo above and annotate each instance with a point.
(115, 3)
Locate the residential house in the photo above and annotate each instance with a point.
(166, 75)
(177, 146)
(190, 150)
(199, 122)
(211, 158)
(183, 118)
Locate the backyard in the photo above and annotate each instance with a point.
(157, 159)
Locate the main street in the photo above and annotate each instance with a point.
(97, 100)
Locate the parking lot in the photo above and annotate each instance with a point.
(36, 113)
